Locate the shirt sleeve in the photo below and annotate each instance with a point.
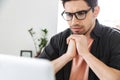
(115, 50)
(51, 51)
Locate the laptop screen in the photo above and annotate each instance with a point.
(23, 68)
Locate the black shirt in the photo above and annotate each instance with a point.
(106, 47)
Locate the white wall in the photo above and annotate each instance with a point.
(17, 16)
(62, 24)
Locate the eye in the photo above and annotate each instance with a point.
(68, 14)
(81, 13)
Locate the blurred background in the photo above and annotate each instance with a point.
(19, 16)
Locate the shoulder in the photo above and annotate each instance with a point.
(62, 35)
(101, 30)
(111, 31)
(111, 35)
(106, 31)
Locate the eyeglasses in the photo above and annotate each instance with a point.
(80, 15)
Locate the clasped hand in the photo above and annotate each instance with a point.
(77, 45)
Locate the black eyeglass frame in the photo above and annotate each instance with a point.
(75, 14)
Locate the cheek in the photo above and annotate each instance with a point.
(88, 24)
(69, 23)
(89, 21)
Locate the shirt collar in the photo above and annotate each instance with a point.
(96, 32)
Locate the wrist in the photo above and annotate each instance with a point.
(68, 56)
(86, 55)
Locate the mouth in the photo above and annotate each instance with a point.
(76, 28)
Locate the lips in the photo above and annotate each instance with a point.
(76, 28)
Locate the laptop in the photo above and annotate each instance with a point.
(23, 68)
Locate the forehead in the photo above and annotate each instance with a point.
(75, 5)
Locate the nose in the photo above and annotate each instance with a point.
(74, 20)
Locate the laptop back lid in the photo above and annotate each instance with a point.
(21, 68)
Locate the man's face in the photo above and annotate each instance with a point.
(79, 26)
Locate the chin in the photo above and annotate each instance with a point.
(77, 33)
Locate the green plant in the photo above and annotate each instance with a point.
(43, 39)
(39, 42)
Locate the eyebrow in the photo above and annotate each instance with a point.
(77, 11)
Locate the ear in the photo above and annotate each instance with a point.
(96, 11)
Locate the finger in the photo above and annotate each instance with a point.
(68, 39)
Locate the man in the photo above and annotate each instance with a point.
(87, 50)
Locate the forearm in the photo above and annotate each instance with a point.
(65, 58)
(61, 62)
(103, 71)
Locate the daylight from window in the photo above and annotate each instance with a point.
(109, 14)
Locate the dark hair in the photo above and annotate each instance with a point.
(91, 3)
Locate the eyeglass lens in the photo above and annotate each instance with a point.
(79, 15)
